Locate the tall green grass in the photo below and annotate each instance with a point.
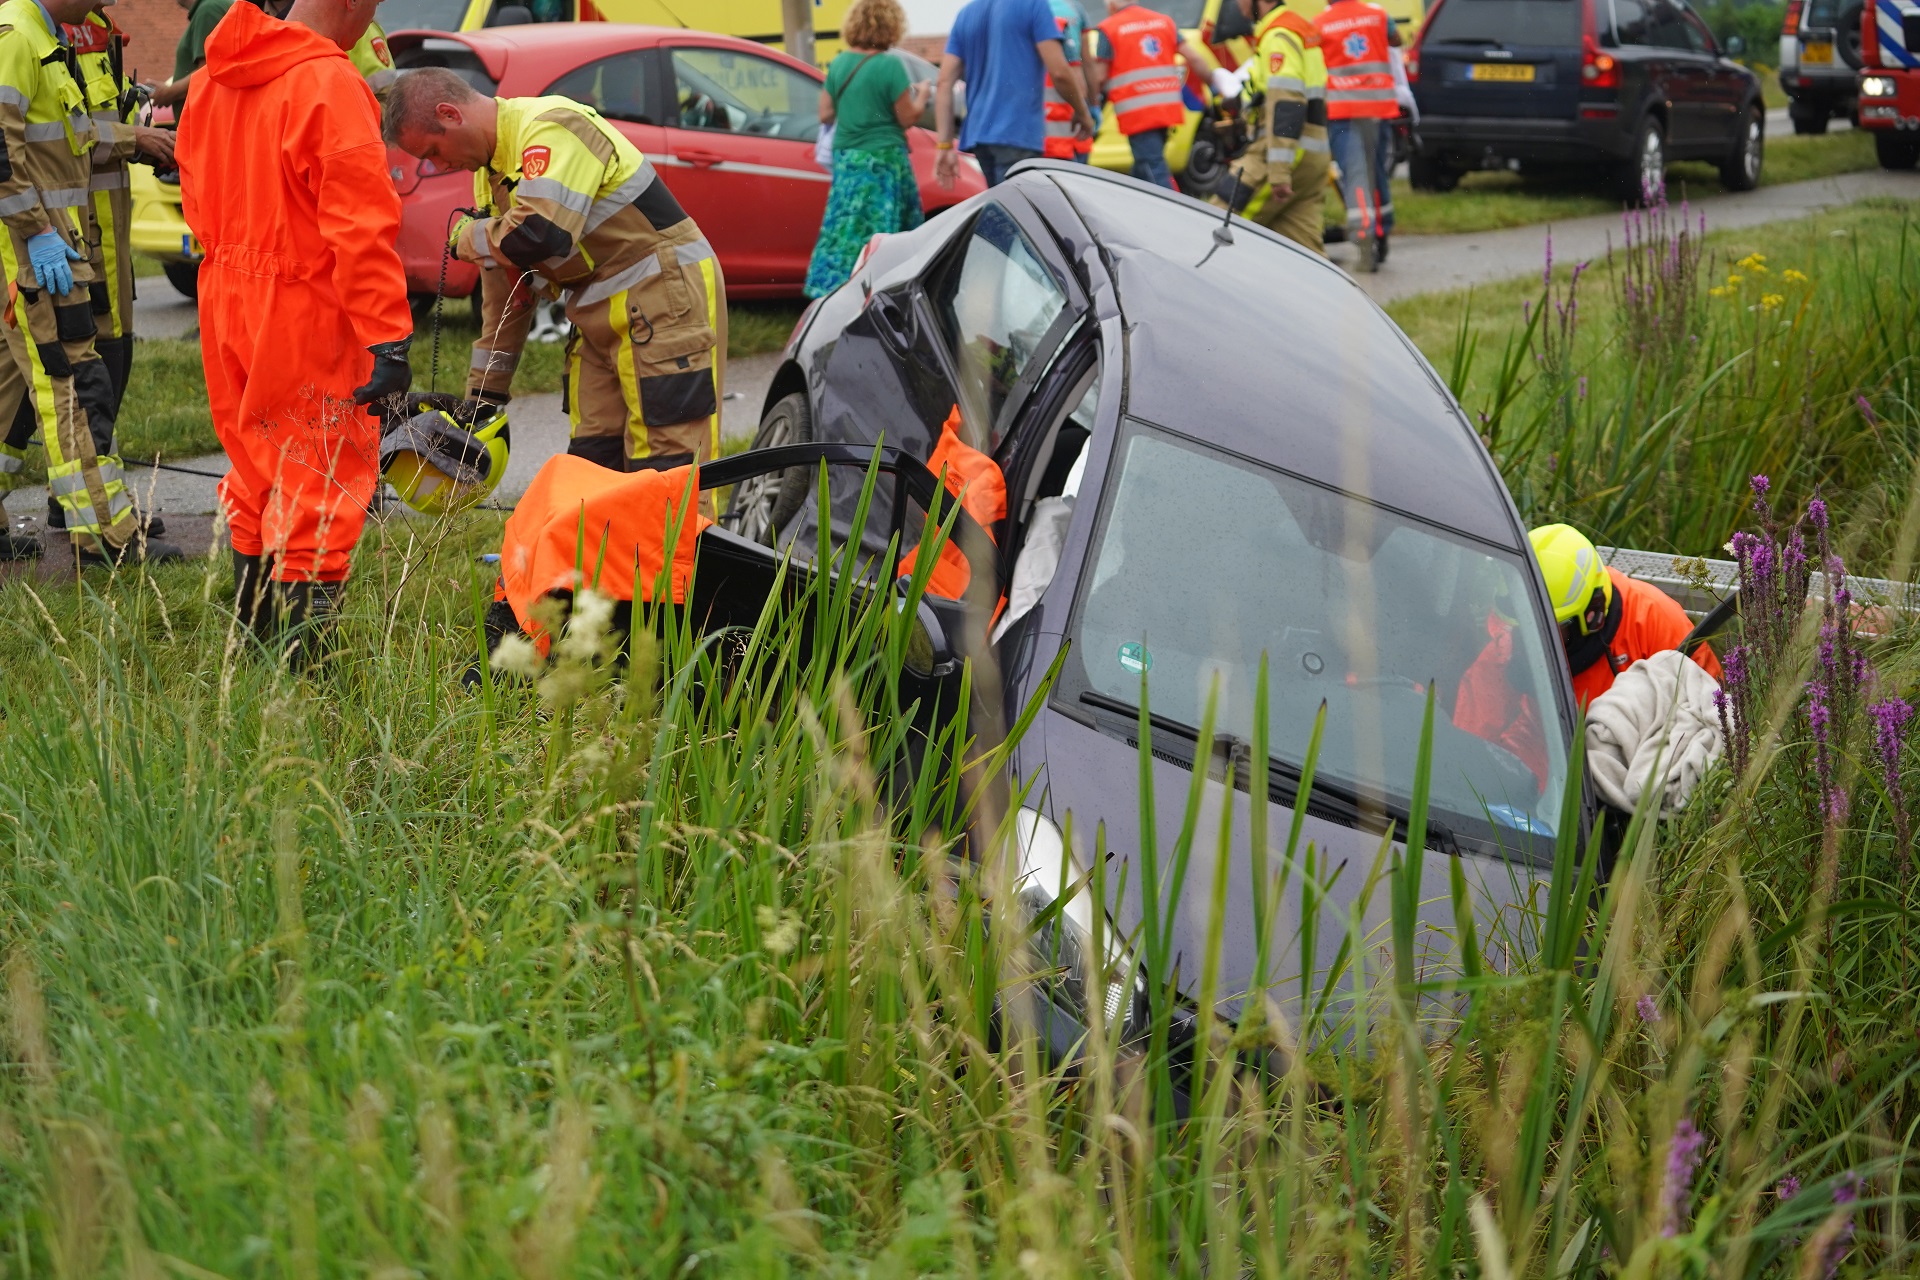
(1801, 365)
(677, 968)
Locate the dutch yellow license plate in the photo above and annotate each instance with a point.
(1820, 51)
(1511, 72)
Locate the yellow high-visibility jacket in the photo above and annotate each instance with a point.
(1289, 70)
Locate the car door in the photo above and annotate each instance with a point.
(740, 151)
(1682, 77)
(625, 88)
(977, 331)
(1723, 91)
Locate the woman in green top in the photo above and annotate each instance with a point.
(870, 102)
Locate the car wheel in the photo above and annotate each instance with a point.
(1643, 178)
(1847, 41)
(185, 277)
(1740, 171)
(1896, 151)
(1427, 173)
(761, 507)
(1807, 120)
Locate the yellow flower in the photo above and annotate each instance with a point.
(1735, 279)
(1768, 301)
(1718, 291)
(1754, 262)
(1791, 276)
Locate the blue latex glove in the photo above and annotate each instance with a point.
(50, 255)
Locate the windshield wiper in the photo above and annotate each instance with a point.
(1329, 800)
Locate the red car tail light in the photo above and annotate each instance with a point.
(1791, 26)
(1598, 68)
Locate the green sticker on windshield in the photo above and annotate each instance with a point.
(1135, 658)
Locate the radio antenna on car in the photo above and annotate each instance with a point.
(1223, 234)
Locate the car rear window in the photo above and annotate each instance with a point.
(452, 55)
(1506, 22)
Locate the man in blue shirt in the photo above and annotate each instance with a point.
(1005, 50)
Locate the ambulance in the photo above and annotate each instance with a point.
(161, 232)
(1218, 27)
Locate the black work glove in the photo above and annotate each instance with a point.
(391, 372)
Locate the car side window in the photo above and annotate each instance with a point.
(1629, 22)
(616, 87)
(1699, 35)
(1666, 27)
(997, 305)
(730, 92)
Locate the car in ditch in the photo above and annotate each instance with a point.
(1216, 451)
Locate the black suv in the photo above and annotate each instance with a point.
(1629, 84)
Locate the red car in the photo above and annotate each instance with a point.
(731, 125)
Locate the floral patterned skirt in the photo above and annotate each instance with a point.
(874, 193)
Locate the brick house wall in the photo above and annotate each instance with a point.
(928, 47)
(152, 28)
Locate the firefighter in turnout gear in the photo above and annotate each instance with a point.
(371, 58)
(568, 205)
(1281, 180)
(58, 293)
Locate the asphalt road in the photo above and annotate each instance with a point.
(1419, 264)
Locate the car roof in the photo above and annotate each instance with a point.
(549, 43)
(1270, 351)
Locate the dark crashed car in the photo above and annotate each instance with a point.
(1213, 451)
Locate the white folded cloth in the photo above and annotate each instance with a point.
(1659, 712)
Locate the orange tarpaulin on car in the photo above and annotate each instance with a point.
(580, 524)
(975, 479)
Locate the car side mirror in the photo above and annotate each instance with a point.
(510, 15)
(1736, 46)
(936, 645)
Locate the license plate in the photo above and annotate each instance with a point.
(190, 245)
(1820, 51)
(1508, 71)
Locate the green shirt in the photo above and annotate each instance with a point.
(201, 20)
(863, 104)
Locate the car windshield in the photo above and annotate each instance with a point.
(1204, 561)
(1505, 23)
(422, 15)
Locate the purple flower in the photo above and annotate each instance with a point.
(1683, 1157)
(1889, 723)
(1817, 513)
(1760, 485)
(1789, 1187)
(1845, 1192)
(1648, 1008)
(1866, 410)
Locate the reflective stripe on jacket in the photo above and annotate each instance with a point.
(1353, 38)
(1290, 73)
(1143, 79)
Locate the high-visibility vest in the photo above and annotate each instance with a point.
(582, 525)
(1060, 143)
(1353, 39)
(1649, 622)
(975, 479)
(1143, 80)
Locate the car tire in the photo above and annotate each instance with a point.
(1643, 177)
(763, 506)
(1427, 173)
(1896, 151)
(184, 277)
(1847, 39)
(1740, 171)
(1807, 120)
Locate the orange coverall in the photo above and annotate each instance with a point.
(1488, 707)
(284, 180)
